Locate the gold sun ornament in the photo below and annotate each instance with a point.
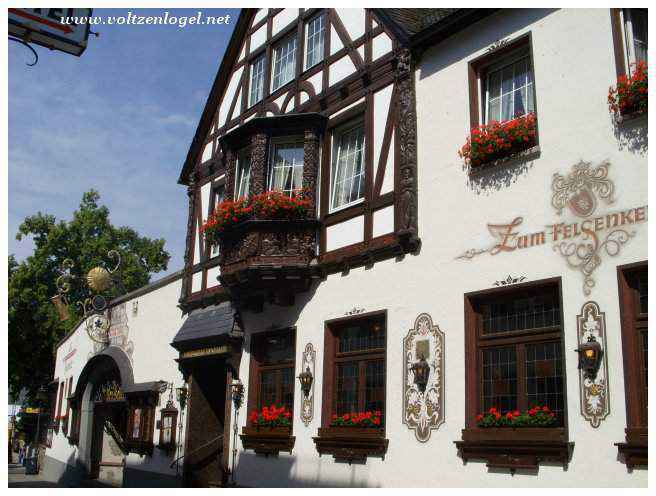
(99, 279)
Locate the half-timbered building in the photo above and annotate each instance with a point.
(401, 224)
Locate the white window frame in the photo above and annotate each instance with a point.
(629, 42)
(240, 186)
(258, 68)
(277, 58)
(336, 137)
(219, 185)
(510, 59)
(296, 141)
(320, 34)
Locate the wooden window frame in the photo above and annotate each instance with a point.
(145, 401)
(634, 449)
(262, 439)
(172, 413)
(275, 142)
(216, 186)
(622, 45)
(292, 36)
(251, 65)
(348, 443)
(256, 367)
(477, 70)
(240, 155)
(306, 28)
(502, 447)
(336, 133)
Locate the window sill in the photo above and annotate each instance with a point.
(351, 444)
(268, 440)
(520, 448)
(521, 156)
(634, 449)
(629, 116)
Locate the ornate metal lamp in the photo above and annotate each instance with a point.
(306, 379)
(181, 394)
(590, 356)
(237, 390)
(421, 371)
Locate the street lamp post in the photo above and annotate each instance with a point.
(40, 398)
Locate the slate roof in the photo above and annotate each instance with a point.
(412, 21)
(206, 323)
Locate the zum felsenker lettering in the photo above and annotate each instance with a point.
(509, 239)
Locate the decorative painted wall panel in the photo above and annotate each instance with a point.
(595, 400)
(423, 411)
(307, 404)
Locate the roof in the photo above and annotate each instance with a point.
(412, 27)
(205, 324)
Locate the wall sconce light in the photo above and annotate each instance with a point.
(182, 393)
(237, 390)
(590, 357)
(305, 378)
(421, 371)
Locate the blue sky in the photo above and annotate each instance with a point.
(118, 119)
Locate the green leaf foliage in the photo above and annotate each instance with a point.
(34, 326)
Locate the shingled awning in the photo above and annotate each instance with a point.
(207, 326)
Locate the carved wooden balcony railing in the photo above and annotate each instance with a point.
(269, 256)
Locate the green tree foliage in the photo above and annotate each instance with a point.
(34, 326)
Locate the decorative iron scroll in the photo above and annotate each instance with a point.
(595, 401)
(423, 411)
(109, 391)
(307, 404)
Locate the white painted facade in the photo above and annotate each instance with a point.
(149, 333)
(573, 66)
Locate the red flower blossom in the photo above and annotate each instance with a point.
(631, 93)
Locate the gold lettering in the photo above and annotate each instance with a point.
(625, 217)
(640, 214)
(612, 220)
(598, 223)
(538, 238)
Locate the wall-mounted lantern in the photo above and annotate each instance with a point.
(590, 356)
(306, 378)
(421, 371)
(182, 393)
(237, 389)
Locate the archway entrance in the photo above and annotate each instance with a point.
(107, 456)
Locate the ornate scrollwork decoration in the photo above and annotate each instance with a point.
(586, 255)
(423, 411)
(307, 405)
(595, 401)
(577, 190)
(113, 254)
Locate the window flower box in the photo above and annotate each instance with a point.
(630, 97)
(351, 444)
(499, 140)
(268, 440)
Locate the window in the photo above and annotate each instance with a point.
(140, 427)
(518, 342)
(358, 365)
(243, 175)
(218, 195)
(272, 369)
(61, 400)
(286, 173)
(168, 419)
(633, 291)
(509, 89)
(316, 32)
(284, 63)
(257, 80)
(348, 173)
(635, 28)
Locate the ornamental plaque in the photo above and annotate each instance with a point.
(595, 401)
(307, 404)
(423, 411)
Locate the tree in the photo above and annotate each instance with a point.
(34, 325)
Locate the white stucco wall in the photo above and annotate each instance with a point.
(150, 333)
(574, 65)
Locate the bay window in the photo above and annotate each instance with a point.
(348, 170)
(284, 63)
(242, 175)
(286, 171)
